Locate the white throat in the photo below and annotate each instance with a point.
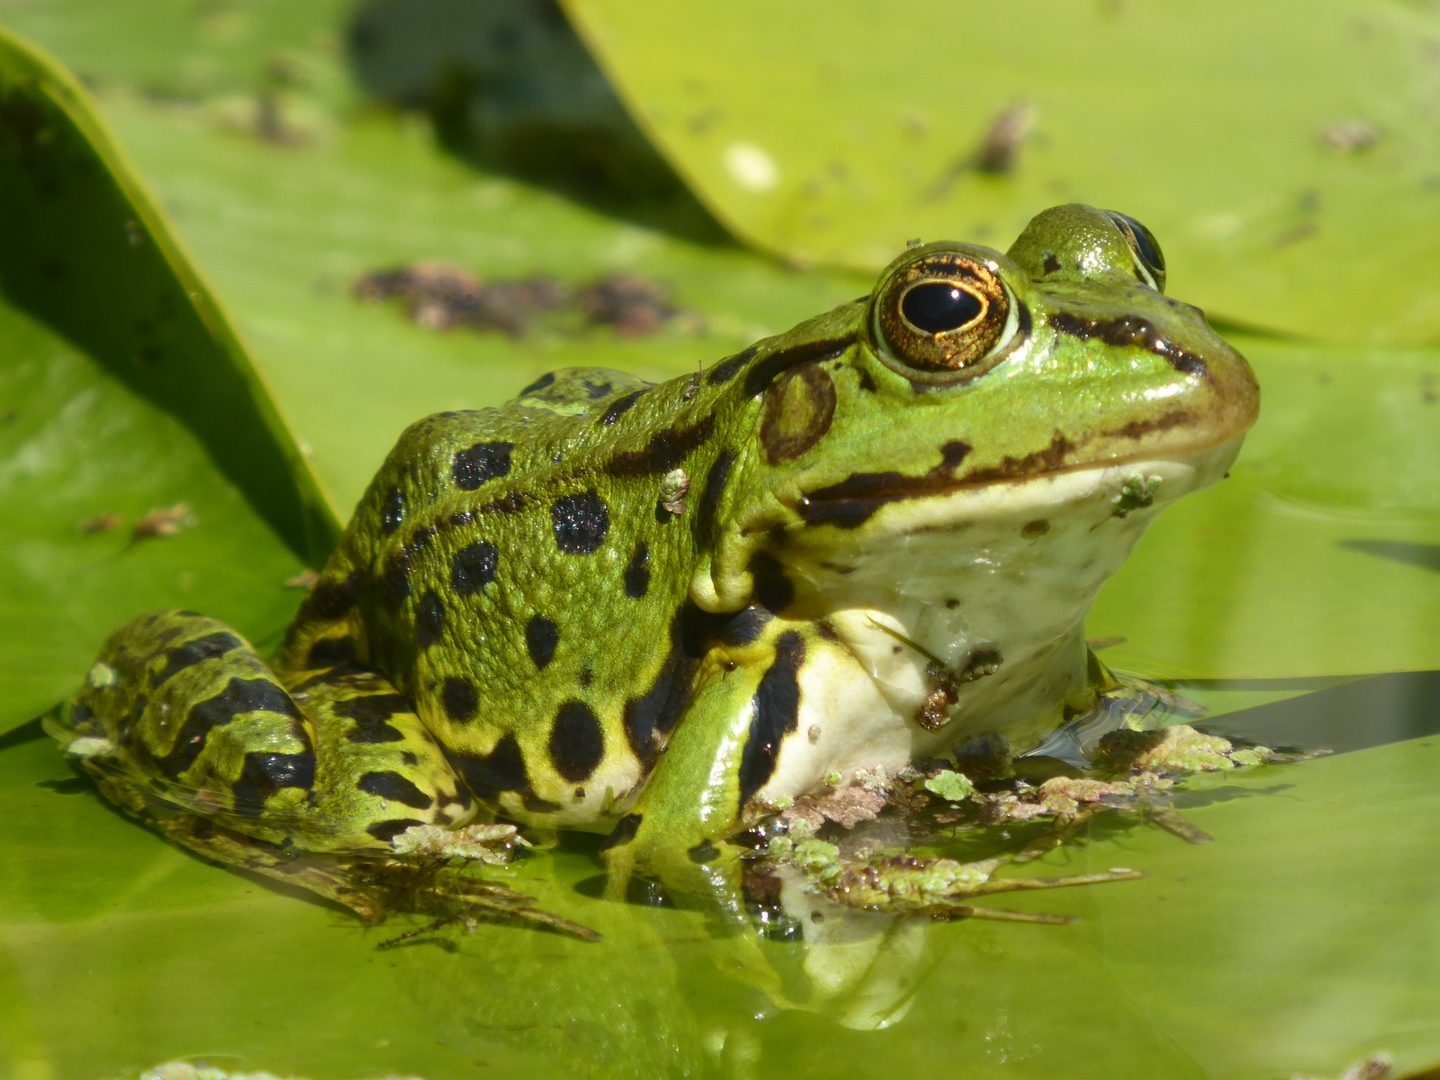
(1006, 572)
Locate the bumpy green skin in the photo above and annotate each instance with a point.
(599, 605)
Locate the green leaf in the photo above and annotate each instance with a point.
(1320, 555)
(1300, 941)
(833, 137)
(1224, 587)
(125, 392)
(285, 233)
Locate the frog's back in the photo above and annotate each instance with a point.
(493, 568)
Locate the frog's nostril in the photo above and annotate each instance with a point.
(937, 307)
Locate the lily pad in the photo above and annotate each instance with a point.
(123, 388)
(1345, 437)
(1288, 161)
(1301, 940)
(1320, 555)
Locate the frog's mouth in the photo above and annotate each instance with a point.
(853, 501)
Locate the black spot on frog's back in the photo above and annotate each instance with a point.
(637, 572)
(480, 463)
(394, 579)
(541, 637)
(429, 619)
(620, 406)
(473, 568)
(460, 699)
(580, 522)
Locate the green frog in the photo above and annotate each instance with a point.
(662, 612)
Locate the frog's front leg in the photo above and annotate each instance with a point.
(743, 703)
(184, 726)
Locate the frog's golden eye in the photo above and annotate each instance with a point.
(945, 314)
(1149, 259)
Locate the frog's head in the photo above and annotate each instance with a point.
(975, 388)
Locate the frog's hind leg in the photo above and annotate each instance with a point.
(184, 726)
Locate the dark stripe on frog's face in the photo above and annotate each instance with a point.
(777, 714)
(766, 371)
(854, 500)
(239, 696)
(1131, 331)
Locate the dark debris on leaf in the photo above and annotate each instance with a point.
(445, 297)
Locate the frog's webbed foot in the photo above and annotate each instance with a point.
(707, 877)
(429, 872)
(378, 889)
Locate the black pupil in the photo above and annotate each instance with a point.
(937, 307)
(1145, 245)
